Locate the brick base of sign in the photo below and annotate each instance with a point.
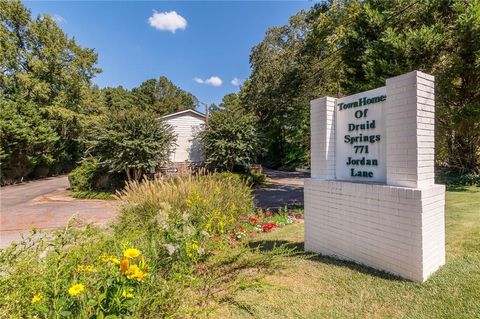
(396, 229)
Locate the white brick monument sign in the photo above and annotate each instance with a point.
(372, 197)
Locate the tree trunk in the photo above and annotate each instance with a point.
(137, 173)
(127, 172)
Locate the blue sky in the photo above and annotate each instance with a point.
(194, 47)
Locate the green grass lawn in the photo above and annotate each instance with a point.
(311, 286)
(92, 195)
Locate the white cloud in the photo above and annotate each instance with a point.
(213, 81)
(167, 21)
(236, 82)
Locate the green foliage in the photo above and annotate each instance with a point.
(45, 76)
(163, 97)
(93, 181)
(84, 259)
(118, 98)
(435, 37)
(157, 96)
(231, 139)
(83, 177)
(453, 180)
(28, 141)
(274, 93)
(130, 141)
(250, 178)
(343, 47)
(229, 100)
(256, 179)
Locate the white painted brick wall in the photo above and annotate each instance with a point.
(322, 123)
(395, 229)
(410, 117)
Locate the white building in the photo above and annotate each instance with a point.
(186, 125)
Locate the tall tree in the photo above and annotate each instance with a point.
(42, 66)
(119, 98)
(438, 37)
(271, 91)
(163, 97)
(342, 47)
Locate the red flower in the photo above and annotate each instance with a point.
(269, 226)
(252, 220)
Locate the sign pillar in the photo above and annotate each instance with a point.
(372, 197)
(410, 119)
(322, 123)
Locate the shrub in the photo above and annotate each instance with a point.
(231, 139)
(90, 177)
(452, 179)
(131, 141)
(250, 178)
(255, 179)
(27, 140)
(84, 176)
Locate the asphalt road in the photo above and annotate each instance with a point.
(285, 189)
(45, 204)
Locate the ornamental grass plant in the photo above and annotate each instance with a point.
(212, 202)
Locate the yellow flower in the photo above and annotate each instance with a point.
(194, 245)
(124, 265)
(76, 289)
(85, 268)
(140, 275)
(37, 298)
(191, 248)
(134, 272)
(127, 294)
(131, 253)
(110, 259)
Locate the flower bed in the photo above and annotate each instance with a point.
(264, 221)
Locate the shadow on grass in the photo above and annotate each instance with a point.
(296, 249)
(463, 188)
(457, 188)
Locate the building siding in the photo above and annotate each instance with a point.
(186, 127)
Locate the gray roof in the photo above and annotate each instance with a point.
(193, 112)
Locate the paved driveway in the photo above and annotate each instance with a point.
(45, 204)
(285, 189)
